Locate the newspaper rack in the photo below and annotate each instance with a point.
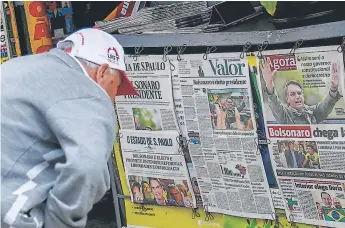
(324, 33)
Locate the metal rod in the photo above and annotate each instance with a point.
(313, 32)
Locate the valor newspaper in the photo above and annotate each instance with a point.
(153, 109)
(304, 109)
(155, 168)
(219, 123)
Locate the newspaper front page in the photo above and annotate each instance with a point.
(155, 168)
(304, 110)
(222, 140)
(153, 109)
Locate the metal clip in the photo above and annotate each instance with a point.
(245, 49)
(180, 50)
(292, 222)
(166, 52)
(208, 51)
(195, 213)
(296, 46)
(137, 51)
(209, 216)
(172, 66)
(261, 48)
(341, 48)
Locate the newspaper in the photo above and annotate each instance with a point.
(153, 109)
(304, 110)
(156, 171)
(222, 140)
(4, 42)
(179, 111)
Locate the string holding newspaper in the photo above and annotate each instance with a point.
(229, 124)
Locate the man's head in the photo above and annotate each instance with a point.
(175, 194)
(291, 146)
(229, 102)
(326, 199)
(102, 58)
(310, 149)
(156, 188)
(135, 187)
(336, 203)
(294, 95)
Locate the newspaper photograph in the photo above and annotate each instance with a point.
(223, 146)
(153, 109)
(156, 171)
(304, 113)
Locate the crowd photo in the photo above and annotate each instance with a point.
(299, 154)
(230, 110)
(164, 192)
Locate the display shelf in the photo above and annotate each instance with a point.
(313, 32)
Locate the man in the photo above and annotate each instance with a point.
(175, 194)
(233, 112)
(58, 129)
(331, 212)
(137, 194)
(158, 192)
(311, 159)
(293, 158)
(296, 111)
(326, 199)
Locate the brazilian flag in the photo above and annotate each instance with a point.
(334, 214)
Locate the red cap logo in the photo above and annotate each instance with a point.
(113, 55)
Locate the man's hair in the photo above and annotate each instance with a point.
(171, 187)
(155, 179)
(136, 184)
(311, 146)
(68, 45)
(291, 82)
(325, 193)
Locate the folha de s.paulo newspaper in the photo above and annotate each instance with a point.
(153, 109)
(155, 168)
(217, 112)
(304, 110)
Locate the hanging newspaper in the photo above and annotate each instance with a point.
(218, 116)
(155, 168)
(305, 121)
(179, 111)
(4, 43)
(153, 109)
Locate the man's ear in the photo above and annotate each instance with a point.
(101, 72)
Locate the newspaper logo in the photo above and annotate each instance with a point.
(204, 223)
(226, 67)
(282, 62)
(289, 132)
(113, 55)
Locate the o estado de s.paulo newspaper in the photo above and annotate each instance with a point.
(304, 111)
(155, 168)
(218, 116)
(153, 109)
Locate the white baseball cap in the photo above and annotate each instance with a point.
(100, 47)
